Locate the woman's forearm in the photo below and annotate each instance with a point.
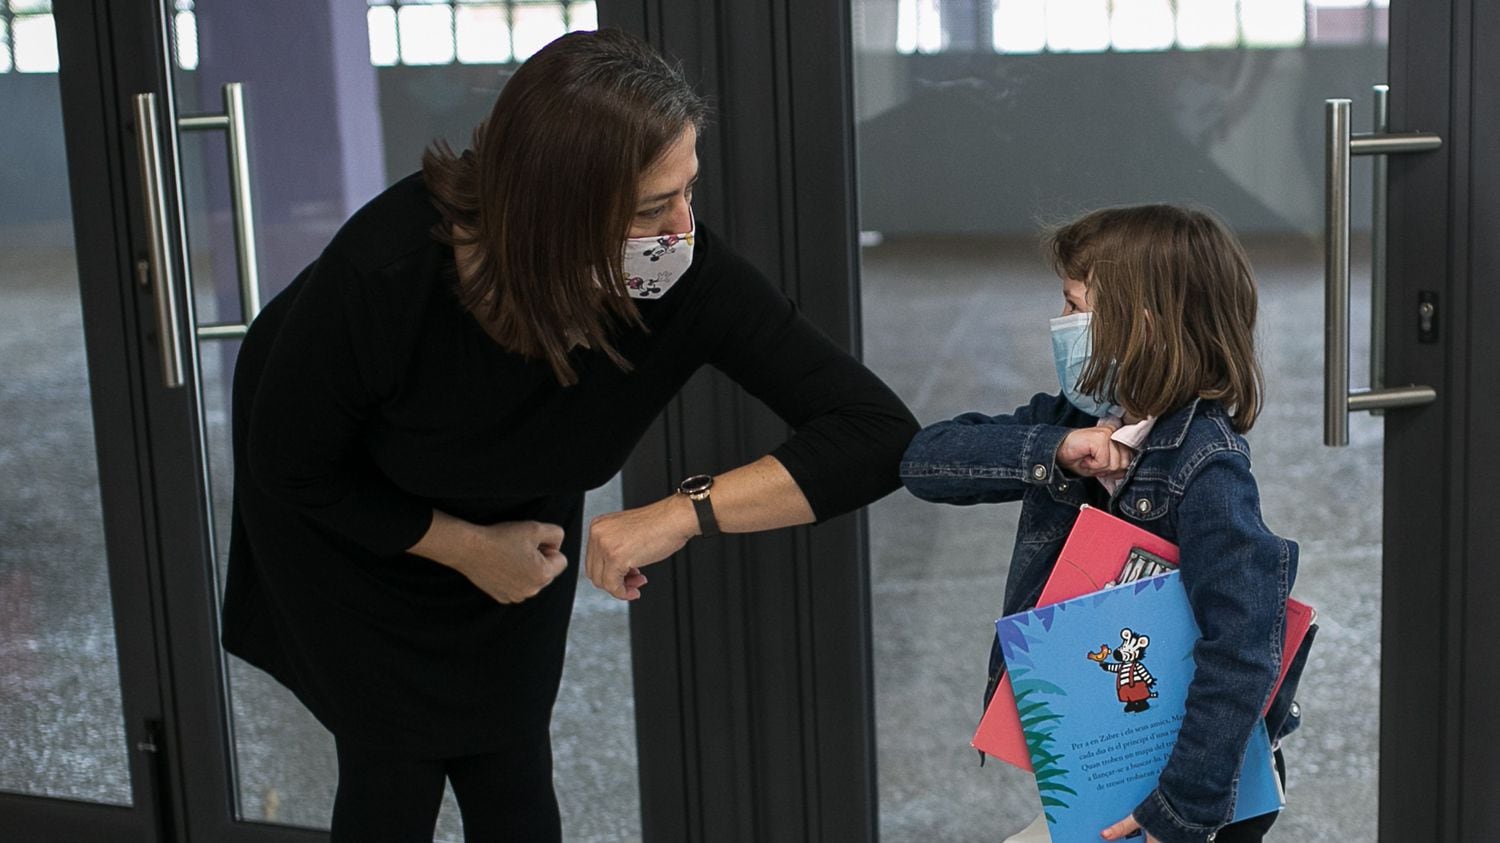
(755, 497)
(758, 496)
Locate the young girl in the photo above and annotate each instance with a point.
(1155, 355)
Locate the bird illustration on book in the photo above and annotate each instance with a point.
(1134, 682)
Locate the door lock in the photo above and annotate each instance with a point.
(1427, 316)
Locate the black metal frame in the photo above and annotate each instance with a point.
(153, 480)
(1440, 698)
(754, 689)
(1479, 731)
(112, 338)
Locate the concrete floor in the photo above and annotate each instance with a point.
(953, 326)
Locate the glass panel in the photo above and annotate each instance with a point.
(1273, 23)
(185, 39)
(35, 43)
(1207, 23)
(375, 123)
(583, 16)
(61, 729)
(535, 25)
(920, 27)
(384, 48)
(426, 34)
(483, 35)
(1339, 25)
(1078, 26)
(1141, 25)
(1020, 26)
(962, 160)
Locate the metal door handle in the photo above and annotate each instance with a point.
(160, 271)
(1338, 400)
(242, 208)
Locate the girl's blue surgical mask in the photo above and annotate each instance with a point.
(1072, 343)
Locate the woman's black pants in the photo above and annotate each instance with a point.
(502, 796)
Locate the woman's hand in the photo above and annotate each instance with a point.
(1090, 452)
(622, 543)
(1124, 827)
(510, 561)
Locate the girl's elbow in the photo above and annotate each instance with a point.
(922, 484)
(925, 445)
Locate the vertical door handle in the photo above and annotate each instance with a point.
(1338, 400)
(242, 207)
(160, 269)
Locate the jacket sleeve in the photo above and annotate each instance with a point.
(976, 458)
(1237, 574)
(324, 376)
(849, 427)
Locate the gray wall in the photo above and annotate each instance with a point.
(948, 144)
(33, 162)
(997, 144)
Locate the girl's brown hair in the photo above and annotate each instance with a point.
(547, 190)
(1174, 309)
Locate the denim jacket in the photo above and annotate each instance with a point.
(1190, 483)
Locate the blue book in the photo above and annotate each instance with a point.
(1101, 684)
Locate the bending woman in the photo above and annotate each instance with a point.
(418, 415)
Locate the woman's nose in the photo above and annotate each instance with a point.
(680, 219)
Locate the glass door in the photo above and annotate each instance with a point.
(62, 725)
(267, 125)
(79, 709)
(978, 124)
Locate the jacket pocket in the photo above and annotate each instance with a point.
(1145, 501)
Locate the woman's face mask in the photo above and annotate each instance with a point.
(1072, 344)
(653, 264)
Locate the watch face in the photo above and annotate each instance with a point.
(696, 484)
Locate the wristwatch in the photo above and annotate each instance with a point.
(697, 489)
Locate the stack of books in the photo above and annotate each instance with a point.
(1097, 678)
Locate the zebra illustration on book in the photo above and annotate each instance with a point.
(1134, 684)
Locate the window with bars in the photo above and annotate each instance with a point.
(417, 32)
(28, 36)
(1088, 26)
(412, 32)
(436, 32)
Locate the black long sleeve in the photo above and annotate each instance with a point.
(850, 429)
(367, 396)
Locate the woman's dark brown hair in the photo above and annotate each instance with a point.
(1174, 309)
(546, 192)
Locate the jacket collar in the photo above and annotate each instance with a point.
(1170, 430)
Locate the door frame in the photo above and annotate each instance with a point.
(1440, 699)
(761, 725)
(163, 574)
(112, 333)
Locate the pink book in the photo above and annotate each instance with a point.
(1101, 550)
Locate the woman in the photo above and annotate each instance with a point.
(419, 414)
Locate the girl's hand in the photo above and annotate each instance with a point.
(622, 543)
(1090, 452)
(1124, 827)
